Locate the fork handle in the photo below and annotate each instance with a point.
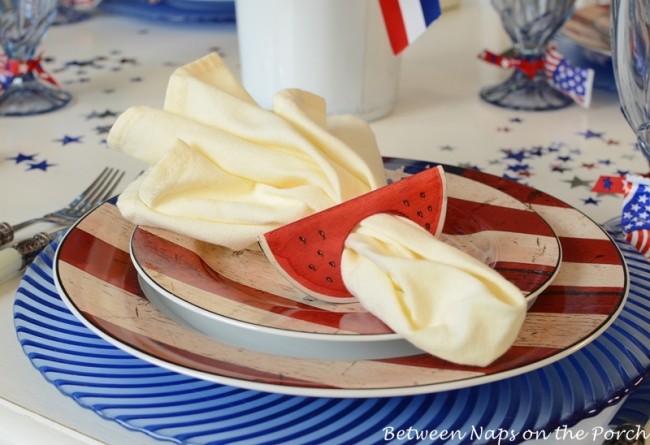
(6, 233)
(17, 257)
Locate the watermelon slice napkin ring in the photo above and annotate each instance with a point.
(308, 252)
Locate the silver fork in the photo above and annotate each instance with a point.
(99, 190)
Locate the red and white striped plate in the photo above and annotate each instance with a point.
(241, 298)
(99, 283)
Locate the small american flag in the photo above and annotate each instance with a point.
(636, 213)
(573, 81)
(406, 20)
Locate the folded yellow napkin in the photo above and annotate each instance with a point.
(225, 171)
(439, 298)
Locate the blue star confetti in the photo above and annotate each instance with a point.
(22, 158)
(591, 134)
(43, 165)
(65, 140)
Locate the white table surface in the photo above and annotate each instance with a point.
(123, 61)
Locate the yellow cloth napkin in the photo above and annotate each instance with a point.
(225, 171)
(439, 298)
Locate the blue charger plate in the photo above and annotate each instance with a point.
(170, 406)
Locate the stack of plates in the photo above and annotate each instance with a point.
(201, 321)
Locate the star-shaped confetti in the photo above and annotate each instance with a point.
(591, 201)
(65, 140)
(577, 182)
(536, 151)
(43, 165)
(22, 158)
(80, 63)
(518, 167)
(101, 115)
(516, 155)
(559, 168)
(103, 129)
(591, 134)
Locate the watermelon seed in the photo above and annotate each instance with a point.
(322, 234)
(329, 279)
(422, 194)
(320, 252)
(332, 263)
(420, 214)
(302, 239)
(312, 267)
(427, 226)
(430, 208)
(406, 202)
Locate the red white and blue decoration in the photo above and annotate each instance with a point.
(406, 20)
(11, 69)
(636, 213)
(571, 80)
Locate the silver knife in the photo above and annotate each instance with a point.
(14, 259)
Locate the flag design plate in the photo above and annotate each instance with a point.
(169, 406)
(96, 279)
(240, 298)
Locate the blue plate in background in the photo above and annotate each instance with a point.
(177, 11)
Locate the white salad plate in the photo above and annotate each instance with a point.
(238, 297)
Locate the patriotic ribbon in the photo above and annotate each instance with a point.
(406, 20)
(635, 220)
(609, 184)
(12, 68)
(571, 80)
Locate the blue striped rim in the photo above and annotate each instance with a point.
(170, 406)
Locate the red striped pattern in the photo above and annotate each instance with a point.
(157, 254)
(169, 262)
(97, 277)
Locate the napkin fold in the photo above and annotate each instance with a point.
(226, 171)
(439, 298)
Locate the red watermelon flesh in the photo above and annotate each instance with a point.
(308, 252)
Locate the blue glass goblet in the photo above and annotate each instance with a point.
(25, 87)
(530, 24)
